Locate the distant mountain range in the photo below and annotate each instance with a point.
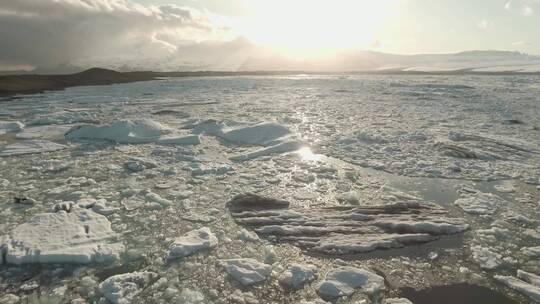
(480, 61)
(253, 59)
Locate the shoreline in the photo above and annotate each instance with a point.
(26, 84)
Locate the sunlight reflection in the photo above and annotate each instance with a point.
(306, 154)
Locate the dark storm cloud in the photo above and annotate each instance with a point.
(46, 33)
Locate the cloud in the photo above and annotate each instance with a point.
(47, 33)
(522, 7)
(520, 43)
(485, 24)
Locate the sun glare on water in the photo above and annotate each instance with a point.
(307, 155)
(312, 27)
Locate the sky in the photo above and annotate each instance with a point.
(221, 34)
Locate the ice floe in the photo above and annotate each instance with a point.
(247, 271)
(297, 275)
(54, 132)
(131, 132)
(344, 230)
(30, 147)
(476, 202)
(123, 288)
(273, 137)
(193, 242)
(79, 236)
(262, 134)
(525, 283)
(344, 281)
(10, 126)
(397, 301)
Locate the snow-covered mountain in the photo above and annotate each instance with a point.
(488, 61)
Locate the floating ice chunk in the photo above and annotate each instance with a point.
(297, 276)
(278, 148)
(347, 230)
(126, 131)
(247, 271)
(130, 132)
(248, 236)
(192, 242)
(138, 164)
(435, 227)
(486, 258)
(10, 126)
(532, 252)
(30, 147)
(152, 197)
(527, 284)
(344, 281)
(479, 203)
(529, 277)
(81, 236)
(345, 244)
(397, 301)
(183, 140)
(188, 296)
(199, 169)
(123, 288)
(104, 207)
(44, 132)
(262, 134)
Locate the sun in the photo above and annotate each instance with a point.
(316, 26)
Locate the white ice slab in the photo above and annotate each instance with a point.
(80, 236)
(297, 276)
(247, 271)
(193, 242)
(344, 281)
(123, 288)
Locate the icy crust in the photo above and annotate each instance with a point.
(344, 281)
(30, 147)
(123, 288)
(344, 230)
(525, 283)
(131, 132)
(192, 242)
(80, 236)
(438, 154)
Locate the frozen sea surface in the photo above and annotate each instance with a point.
(263, 189)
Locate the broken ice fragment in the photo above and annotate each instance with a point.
(347, 229)
(123, 288)
(344, 281)
(247, 271)
(192, 242)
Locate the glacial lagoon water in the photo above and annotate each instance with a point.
(272, 190)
